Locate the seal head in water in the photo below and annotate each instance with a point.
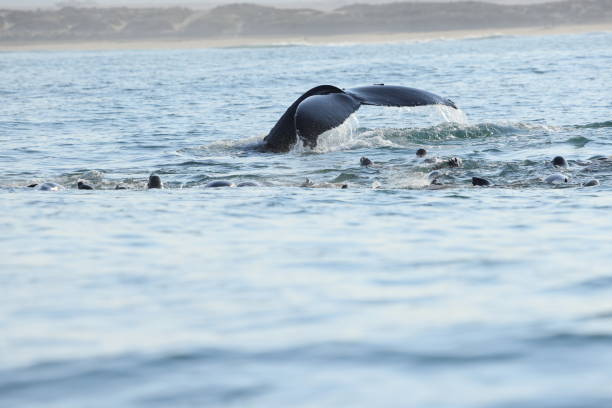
(364, 161)
(83, 186)
(219, 183)
(478, 181)
(559, 161)
(154, 181)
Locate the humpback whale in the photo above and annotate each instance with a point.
(325, 107)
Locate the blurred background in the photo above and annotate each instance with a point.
(320, 4)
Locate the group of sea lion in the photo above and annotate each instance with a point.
(558, 162)
(325, 107)
(434, 176)
(154, 182)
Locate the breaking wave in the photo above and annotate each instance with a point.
(596, 125)
(350, 135)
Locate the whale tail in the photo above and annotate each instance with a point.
(325, 107)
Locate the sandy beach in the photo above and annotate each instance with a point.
(315, 40)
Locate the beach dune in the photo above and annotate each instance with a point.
(249, 24)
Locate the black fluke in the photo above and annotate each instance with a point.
(325, 107)
(421, 153)
(364, 161)
(32, 185)
(83, 186)
(154, 181)
(477, 181)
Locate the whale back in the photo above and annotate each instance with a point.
(284, 135)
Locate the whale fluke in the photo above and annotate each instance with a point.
(325, 107)
(394, 95)
(319, 113)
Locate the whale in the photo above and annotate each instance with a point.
(325, 107)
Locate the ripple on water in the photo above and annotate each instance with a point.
(284, 295)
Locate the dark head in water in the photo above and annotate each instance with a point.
(83, 186)
(219, 183)
(477, 181)
(364, 161)
(421, 152)
(154, 181)
(455, 162)
(559, 162)
(325, 107)
(247, 184)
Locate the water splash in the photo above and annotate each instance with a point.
(340, 138)
(349, 136)
(452, 115)
(422, 115)
(412, 180)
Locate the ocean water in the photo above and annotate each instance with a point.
(389, 293)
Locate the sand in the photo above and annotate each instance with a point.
(314, 40)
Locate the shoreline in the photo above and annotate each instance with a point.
(344, 39)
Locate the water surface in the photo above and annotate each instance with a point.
(387, 293)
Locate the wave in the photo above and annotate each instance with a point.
(75, 380)
(449, 131)
(346, 137)
(574, 339)
(578, 141)
(248, 143)
(278, 44)
(350, 136)
(595, 125)
(487, 36)
(57, 371)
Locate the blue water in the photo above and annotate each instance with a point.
(389, 293)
